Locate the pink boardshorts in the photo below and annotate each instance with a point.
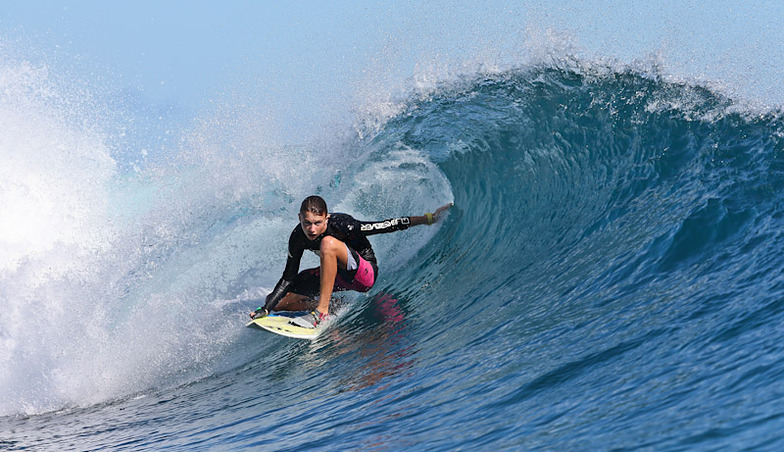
(364, 278)
(308, 282)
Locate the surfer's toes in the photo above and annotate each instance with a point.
(318, 317)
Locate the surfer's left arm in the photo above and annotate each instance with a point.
(399, 224)
(295, 249)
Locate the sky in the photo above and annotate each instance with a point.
(313, 62)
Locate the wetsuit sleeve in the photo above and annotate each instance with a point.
(291, 270)
(382, 227)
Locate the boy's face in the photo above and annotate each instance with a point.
(313, 225)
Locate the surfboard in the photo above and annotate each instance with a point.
(296, 324)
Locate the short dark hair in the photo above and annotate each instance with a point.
(313, 204)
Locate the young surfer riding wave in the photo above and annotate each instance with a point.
(347, 261)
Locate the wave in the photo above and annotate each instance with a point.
(581, 189)
(614, 253)
(601, 216)
(613, 230)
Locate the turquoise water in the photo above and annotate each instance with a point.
(609, 278)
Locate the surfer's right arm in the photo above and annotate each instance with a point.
(292, 268)
(281, 289)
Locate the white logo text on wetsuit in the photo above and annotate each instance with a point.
(384, 224)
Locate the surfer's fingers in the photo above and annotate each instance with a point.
(441, 210)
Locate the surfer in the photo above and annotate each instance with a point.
(347, 261)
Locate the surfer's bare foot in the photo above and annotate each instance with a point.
(318, 317)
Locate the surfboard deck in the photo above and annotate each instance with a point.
(296, 324)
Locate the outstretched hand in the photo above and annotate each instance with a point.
(431, 218)
(440, 211)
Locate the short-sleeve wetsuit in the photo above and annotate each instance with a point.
(348, 230)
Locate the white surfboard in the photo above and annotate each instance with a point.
(296, 324)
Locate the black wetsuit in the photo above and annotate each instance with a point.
(343, 227)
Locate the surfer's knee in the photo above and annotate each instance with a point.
(329, 245)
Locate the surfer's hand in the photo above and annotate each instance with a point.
(431, 218)
(440, 211)
(259, 313)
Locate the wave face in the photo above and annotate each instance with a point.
(612, 274)
(613, 269)
(610, 277)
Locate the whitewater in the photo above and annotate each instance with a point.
(610, 276)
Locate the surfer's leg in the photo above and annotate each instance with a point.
(359, 274)
(364, 275)
(295, 302)
(333, 253)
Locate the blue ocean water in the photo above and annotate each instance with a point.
(609, 278)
